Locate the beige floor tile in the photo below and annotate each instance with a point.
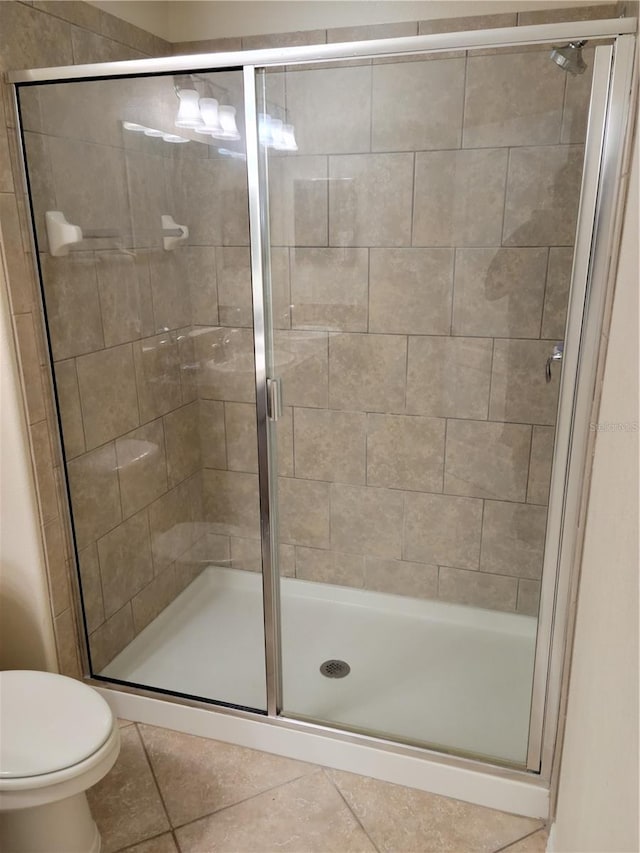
(402, 819)
(126, 804)
(305, 815)
(160, 844)
(535, 843)
(198, 776)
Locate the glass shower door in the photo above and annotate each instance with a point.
(422, 216)
(139, 198)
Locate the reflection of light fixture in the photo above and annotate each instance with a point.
(227, 119)
(210, 117)
(273, 133)
(151, 131)
(172, 137)
(189, 109)
(135, 128)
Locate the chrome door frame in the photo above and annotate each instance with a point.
(598, 228)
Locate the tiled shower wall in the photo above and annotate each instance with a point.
(216, 318)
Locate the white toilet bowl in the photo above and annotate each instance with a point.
(58, 737)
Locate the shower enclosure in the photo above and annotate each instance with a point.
(323, 326)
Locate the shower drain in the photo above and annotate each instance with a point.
(335, 668)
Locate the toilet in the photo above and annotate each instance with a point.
(58, 737)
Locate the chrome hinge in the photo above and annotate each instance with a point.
(274, 399)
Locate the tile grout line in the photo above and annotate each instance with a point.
(508, 846)
(355, 816)
(153, 775)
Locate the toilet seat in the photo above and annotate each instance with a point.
(49, 722)
(72, 730)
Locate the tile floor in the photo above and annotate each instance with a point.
(172, 792)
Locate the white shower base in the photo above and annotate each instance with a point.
(442, 674)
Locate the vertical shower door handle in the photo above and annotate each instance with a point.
(274, 399)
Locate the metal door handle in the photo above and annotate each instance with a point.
(556, 355)
(274, 399)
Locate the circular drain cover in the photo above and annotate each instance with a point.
(335, 668)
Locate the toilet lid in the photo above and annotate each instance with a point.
(48, 722)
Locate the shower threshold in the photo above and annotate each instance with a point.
(422, 671)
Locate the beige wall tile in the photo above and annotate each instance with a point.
(449, 377)
(168, 275)
(242, 438)
(289, 39)
(370, 200)
(6, 177)
(29, 39)
(203, 289)
(366, 520)
(513, 539)
(512, 99)
(246, 554)
(459, 197)
(124, 819)
(147, 199)
(83, 172)
(399, 577)
(40, 177)
(73, 304)
(329, 289)
(405, 452)
(157, 372)
(44, 472)
(206, 46)
(333, 567)
(499, 292)
(367, 372)
(90, 47)
(125, 297)
(284, 437)
(304, 803)
(303, 512)
(210, 550)
(372, 31)
(107, 394)
(330, 108)
(21, 288)
(410, 291)
(231, 503)
(91, 110)
(225, 364)
(183, 443)
(543, 190)
(152, 600)
(471, 22)
(554, 16)
(213, 447)
(287, 560)
(110, 638)
(142, 466)
(174, 521)
(95, 494)
(91, 586)
(234, 287)
(82, 14)
(519, 391)
(125, 562)
(280, 287)
(30, 366)
(185, 340)
(477, 589)
(576, 103)
(298, 200)
(56, 566)
(556, 297)
(330, 445)
(417, 106)
(528, 598)
(487, 460)
(301, 361)
(182, 765)
(440, 529)
(542, 444)
(122, 31)
(66, 645)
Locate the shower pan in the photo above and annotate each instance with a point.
(323, 326)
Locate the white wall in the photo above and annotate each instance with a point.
(186, 20)
(598, 793)
(26, 632)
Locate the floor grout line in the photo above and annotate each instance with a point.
(342, 797)
(143, 841)
(518, 840)
(153, 775)
(215, 812)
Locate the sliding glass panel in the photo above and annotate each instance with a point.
(141, 219)
(422, 216)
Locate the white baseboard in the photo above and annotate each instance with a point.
(485, 789)
(551, 845)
